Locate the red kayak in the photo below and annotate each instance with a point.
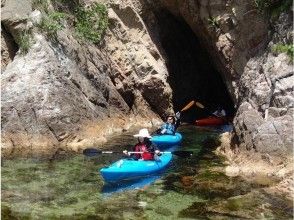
(211, 121)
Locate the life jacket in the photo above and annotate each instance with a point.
(143, 148)
(170, 128)
(147, 156)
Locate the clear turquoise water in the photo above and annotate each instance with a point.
(191, 188)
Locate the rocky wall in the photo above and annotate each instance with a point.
(240, 39)
(71, 94)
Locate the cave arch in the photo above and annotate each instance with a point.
(192, 74)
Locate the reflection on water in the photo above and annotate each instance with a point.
(191, 188)
(110, 188)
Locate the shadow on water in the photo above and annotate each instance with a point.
(191, 188)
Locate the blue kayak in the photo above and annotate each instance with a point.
(167, 139)
(127, 169)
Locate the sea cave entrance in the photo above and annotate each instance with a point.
(192, 74)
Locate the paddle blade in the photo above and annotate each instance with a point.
(198, 104)
(189, 105)
(91, 152)
(183, 153)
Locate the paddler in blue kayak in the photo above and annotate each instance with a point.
(171, 124)
(144, 145)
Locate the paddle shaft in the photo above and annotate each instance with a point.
(129, 152)
(92, 152)
(198, 104)
(140, 152)
(189, 105)
(186, 107)
(109, 152)
(210, 113)
(177, 153)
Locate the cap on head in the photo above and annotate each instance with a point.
(143, 133)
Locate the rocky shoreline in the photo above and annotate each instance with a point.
(69, 93)
(256, 166)
(90, 135)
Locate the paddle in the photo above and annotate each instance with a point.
(186, 107)
(198, 104)
(91, 152)
(189, 105)
(224, 118)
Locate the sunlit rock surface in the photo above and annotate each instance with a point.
(72, 94)
(239, 38)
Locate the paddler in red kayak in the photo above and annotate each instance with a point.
(221, 113)
(144, 145)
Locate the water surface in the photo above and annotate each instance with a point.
(191, 188)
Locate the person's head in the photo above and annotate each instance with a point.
(143, 140)
(170, 119)
(143, 135)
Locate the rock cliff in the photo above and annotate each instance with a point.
(240, 37)
(70, 93)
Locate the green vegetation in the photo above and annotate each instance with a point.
(213, 22)
(53, 22)
(91, 22)
(281, 48)
(273, 8)
(234, 204)
(284, 6)
(24, 41)
(262, 5)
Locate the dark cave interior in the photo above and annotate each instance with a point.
(192, 74)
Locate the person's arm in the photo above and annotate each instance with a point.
(154, 149)
(127, 153)
(170, 130)
(163, 129)
(134, 149)
(215, 114)
(178, 121)
(177, 124)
